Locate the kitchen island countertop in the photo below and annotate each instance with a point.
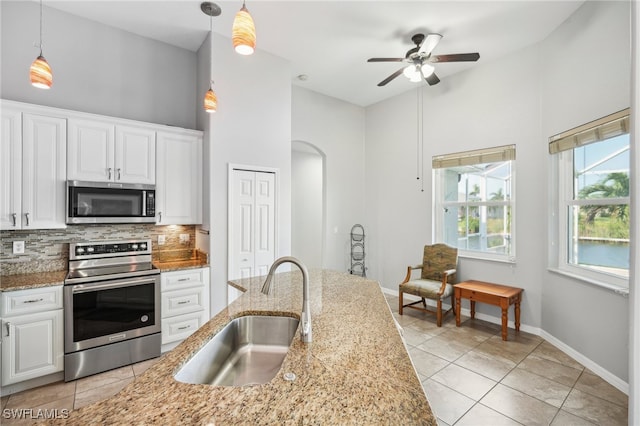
(356, 370)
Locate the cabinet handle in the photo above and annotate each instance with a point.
(118, 170)
(109, 173)
(184, 302)
(159, 217)
(15, 218)
(8, 325)
(33, 300)
(184, 327)
(184, 279)
(27, 217)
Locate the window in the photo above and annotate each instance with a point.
(592, 200)
(474, 202)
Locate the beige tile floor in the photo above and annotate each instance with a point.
(470, 377)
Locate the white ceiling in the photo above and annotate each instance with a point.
(330, 41)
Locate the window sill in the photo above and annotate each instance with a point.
(621, 291)
(487, 257)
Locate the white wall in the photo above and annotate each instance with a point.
(521, 99)
(337, 129)
(307, 206)
(577, 89)
(96, 68)
(252, 127)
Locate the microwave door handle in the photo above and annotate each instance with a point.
(80, 288)
(109, 173)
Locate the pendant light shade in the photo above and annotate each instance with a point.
(40, 73)
(244, 32)
(210, 101)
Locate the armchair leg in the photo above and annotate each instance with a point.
(400, 303)
(424, 303)
(439, 313)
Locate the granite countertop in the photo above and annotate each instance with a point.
(26, 281)
(356, 370)
(178, 265)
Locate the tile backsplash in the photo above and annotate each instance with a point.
(47, 250)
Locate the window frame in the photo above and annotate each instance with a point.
(496, 155)
(563, 198)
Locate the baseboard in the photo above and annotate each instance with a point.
(609, 377)
(32, 383)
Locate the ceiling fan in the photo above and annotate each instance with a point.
(420, 60)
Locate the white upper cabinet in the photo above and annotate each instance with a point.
(102, 151)
(33, 171)
(179, 183)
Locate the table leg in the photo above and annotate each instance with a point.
(505, 316)
(472, 304)
(458, 303)
(517, 309)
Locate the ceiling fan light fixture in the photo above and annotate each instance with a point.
(427, 70)
(411, 72)
(244, 32)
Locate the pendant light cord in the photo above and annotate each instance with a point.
(211, 51)
(40, 27)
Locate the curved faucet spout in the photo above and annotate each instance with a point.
(305, 329)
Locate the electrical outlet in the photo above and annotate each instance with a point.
(18, 247)
(184, 238)
(162, 239)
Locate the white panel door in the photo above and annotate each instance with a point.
(11, 169)
(91, 151)
(135, 155)
(252, 223)
(44, 159)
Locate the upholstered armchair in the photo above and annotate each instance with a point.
(438, 272)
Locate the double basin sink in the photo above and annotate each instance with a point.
(247, 351)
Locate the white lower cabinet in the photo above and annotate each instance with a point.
(32, 334)
(184, 304)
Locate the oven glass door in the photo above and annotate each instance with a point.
(106, 312)
(106, 202)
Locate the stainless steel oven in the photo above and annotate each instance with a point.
(112, 307)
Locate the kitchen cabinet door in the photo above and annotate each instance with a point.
(32, 346)
(44, 159)
(91, 150)
(179, 178)
(11, 169)
(135, 155)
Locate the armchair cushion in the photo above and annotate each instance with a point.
(426, 288)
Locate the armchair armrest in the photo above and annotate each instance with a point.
(407, 278)
(445, 276)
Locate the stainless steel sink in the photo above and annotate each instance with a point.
(249, 350)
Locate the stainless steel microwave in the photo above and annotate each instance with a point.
(107, 202)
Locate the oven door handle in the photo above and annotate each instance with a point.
(85, 288)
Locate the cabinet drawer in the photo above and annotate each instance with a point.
(32, 300)
(183, 301)
(182, 326)
(182, 279)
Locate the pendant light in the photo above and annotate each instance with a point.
(244, 32)
(210, 98)
(40, 71)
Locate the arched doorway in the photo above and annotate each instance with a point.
(307, 203)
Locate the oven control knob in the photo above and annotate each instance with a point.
(79, 250)
(90, 249)
(134, 246)
(143, 246)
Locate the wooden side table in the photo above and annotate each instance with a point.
(494, 294)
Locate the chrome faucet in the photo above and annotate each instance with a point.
(305, 330)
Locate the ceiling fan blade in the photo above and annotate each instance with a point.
(432, 79)
(391, 77)
(456, 57)
(429, 43)
(385, 60)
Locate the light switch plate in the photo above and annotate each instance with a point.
(184, 238)
(162, 239)
(18, 247)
